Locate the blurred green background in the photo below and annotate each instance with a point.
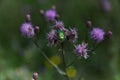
(19, 57)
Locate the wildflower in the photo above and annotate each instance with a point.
(73, 35)
(59, 26)
(97, 34)
(52, 37)
(82, 50)
(50, 14)
(27, 30)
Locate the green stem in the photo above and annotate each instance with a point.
(86, 35)
(63, 59)
(45, 56)
(95, 46)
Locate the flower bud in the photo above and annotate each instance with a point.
(53, 7)
(41, 12)
(88, 23)
(109, 34)
(28, 18)
(36, 29)
(35, 75)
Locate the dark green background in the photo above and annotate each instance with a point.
(19, 57)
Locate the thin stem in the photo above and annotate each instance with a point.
(95, 46)
(86, 36)
(63, 59)
(45, 56)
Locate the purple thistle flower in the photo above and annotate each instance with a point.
(59, 26)
(52, 37)
(50, 14)
(73, 35)
(97, 34)
(27, 30)
(82, 50)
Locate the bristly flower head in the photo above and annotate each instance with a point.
(73, 35)
(97, 34)
(27, 30)
(50, 14)
(59, 26)
(82, 50)
(52, 37)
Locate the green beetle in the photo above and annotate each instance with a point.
(60, 34)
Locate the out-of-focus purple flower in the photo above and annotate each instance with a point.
(59, 26)
(52, 37)
(27, 30)
(106, 6)
(82, 50)
(73, 35)
(50, 14)
(97, 34)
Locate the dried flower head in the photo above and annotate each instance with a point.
(52, 37)
(50, 14)
(59, 26)
(82, 50)
(27, 30)
(73, 35)
(97, 34)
